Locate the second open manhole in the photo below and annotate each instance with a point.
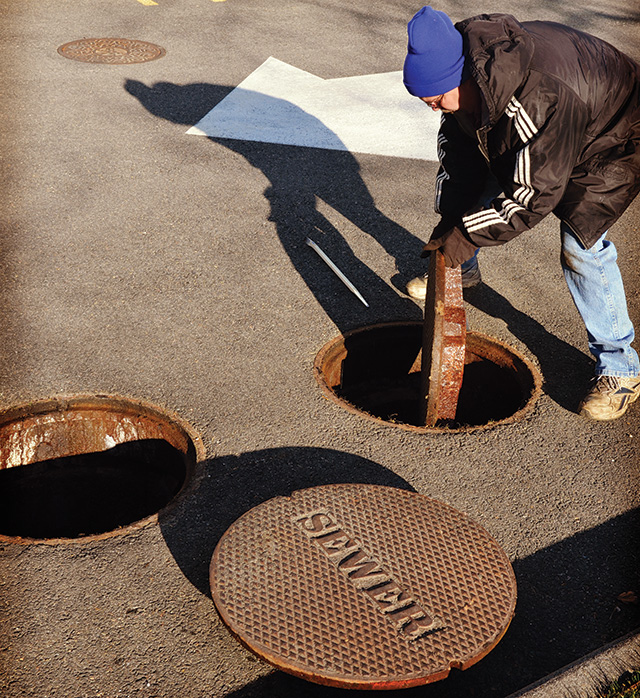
(375, 371)
(89, 465)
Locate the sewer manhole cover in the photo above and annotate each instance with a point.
(362, 586)
(444, 337)
(114, 51)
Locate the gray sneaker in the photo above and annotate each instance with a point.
(417, 288)
(610, 397)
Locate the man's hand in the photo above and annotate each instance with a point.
(453, 244)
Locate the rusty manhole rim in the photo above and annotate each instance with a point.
(108, 401)
(155, 52)
(517, 416)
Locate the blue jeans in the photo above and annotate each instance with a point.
(595, 283)
(470, 263)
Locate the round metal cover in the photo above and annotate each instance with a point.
(443, 343)
(113, 51)
(363, 586)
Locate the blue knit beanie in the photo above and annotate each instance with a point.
(434, 60)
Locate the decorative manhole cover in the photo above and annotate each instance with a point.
(362, 586)
(114, 51)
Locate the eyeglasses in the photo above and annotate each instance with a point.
(435, 104)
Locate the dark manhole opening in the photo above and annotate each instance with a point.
(87, 466)
(375, 370)
(90, 493)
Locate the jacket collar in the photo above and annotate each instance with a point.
(498, 52)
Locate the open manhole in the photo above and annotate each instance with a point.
(375, 371)
(363, 586)
(89, 465)
(111, 51)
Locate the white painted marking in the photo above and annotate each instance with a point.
(279, 103)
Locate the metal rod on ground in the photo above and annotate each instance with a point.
(443, 343)
(337, 271)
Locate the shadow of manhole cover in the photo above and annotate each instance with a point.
(112, 51)
(363, 586)
(90, 466)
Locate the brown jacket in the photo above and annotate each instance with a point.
(560, 131)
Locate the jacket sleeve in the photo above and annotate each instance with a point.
(541, 147)
(463, 171)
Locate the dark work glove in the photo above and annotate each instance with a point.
(453, 244)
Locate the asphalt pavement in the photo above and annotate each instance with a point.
(139, 260)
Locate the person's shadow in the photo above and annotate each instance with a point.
(298, 177)
(565, 369)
